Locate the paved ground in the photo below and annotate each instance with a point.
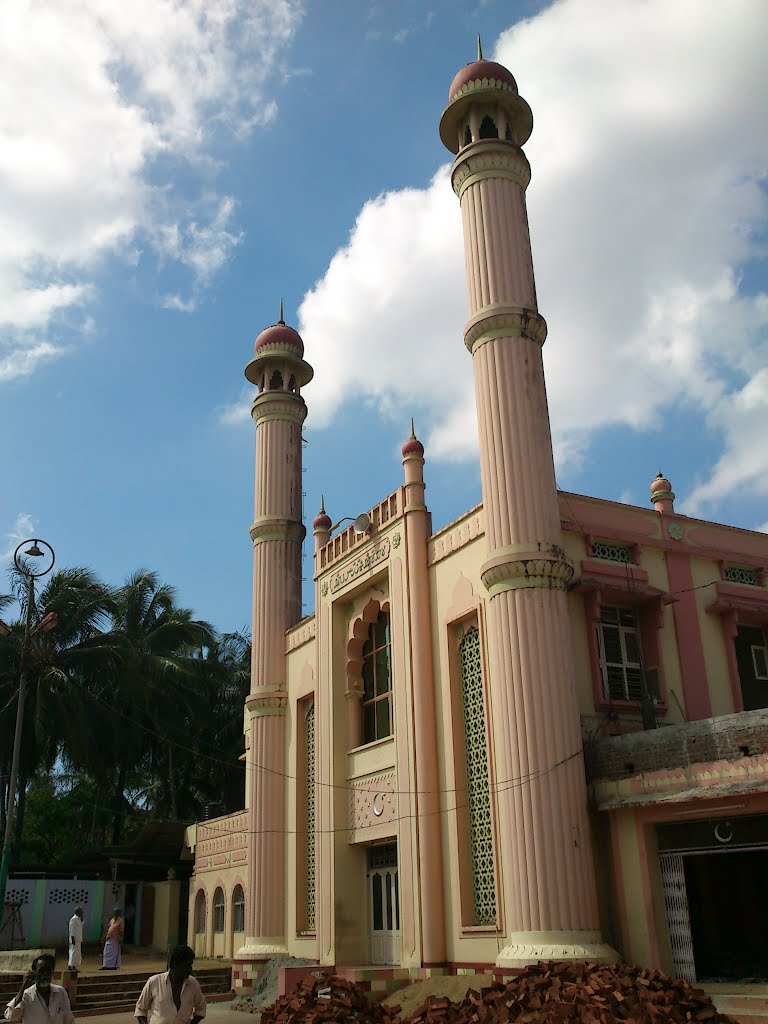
(217, 1012)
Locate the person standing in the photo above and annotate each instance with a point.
(174, 997)
(38, 1001)
(113, 955)
(76, 940)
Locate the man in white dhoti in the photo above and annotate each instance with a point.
(76, 940)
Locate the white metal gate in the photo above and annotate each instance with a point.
(678, 918)
(384, 890)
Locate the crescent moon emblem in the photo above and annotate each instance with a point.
(378, 808)
(721, 838)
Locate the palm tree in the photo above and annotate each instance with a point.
(61, 663)
(151, 687)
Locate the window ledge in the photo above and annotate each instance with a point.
(480, 930)
(373, 744)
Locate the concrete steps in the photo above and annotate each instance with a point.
(112, 991)
(746, 1007)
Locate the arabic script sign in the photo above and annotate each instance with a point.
(372, 557)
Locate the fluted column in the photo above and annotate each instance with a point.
(547, 885)
(430, 865)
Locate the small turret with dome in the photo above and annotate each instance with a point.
(278, 363)
(662, 495)
(484, 104)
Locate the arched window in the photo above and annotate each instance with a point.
(200, 913)
(238, 910)
(276, 381)
(377, 681)
(292, 383)
(488, 129)
(218, 911)
(467, 135)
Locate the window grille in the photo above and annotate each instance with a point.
(238, 909)
(478, 791)
(740, 574)
(17, 895)
(382, 856)
(310, 859)
(200, 913)
(611, 552)
(376, 704)
(73, 896)
(218, 911)
(620, 654)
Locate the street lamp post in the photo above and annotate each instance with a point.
(26, 569)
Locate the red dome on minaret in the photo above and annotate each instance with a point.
(322, 520)
(280, 334)
(487, 71)
(413, 445)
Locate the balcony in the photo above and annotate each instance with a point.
(706, 759)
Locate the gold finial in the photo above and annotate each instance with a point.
(281, 320)
(479, 48)
(413, 432)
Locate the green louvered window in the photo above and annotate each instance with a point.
(478, 790)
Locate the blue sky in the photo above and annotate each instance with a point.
(170, 171)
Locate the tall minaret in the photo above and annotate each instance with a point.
(279, 372)
(546, 884)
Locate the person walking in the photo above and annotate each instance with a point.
(38, 1001)
(174, 997)
(76, 940)
(113, 955)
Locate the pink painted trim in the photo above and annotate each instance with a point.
(690, 647)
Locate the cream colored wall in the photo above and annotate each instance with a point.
(166, 914)
(704, 571)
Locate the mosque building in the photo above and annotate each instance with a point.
(537, 733)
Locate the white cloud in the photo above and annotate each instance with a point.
(101, 102)
(23, 528)
(647, 199)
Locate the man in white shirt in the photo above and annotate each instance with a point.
(38, 1001)
(76, 940)
(174, 997)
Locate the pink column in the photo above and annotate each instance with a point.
(430, 854)
(277, 532)
(547, 895)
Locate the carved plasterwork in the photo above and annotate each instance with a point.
(364, 562)
(372, 803)
(456, 535)
(300, 634)
(363, 613)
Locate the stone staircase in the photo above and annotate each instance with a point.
(114, 991)
(746, 1004)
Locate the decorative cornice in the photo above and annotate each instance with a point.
(524, 566)
(368, 559)
(478, 84)
(280, 528)
(489, 160)
(456, 535)
(513, 322)
(278, 405)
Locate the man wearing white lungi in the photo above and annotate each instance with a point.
(76, 940)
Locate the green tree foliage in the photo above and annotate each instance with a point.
(134, 712)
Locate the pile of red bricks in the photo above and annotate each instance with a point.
(326, 999)
(551, 993)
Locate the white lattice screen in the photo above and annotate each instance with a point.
(310, 746)
(478, 792)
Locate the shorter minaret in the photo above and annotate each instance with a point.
(662, 495)
(418, 529)
(321, 527)
(279, 372)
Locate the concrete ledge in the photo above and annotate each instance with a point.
(19, 961)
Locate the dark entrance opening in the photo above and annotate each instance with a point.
(728, 905)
